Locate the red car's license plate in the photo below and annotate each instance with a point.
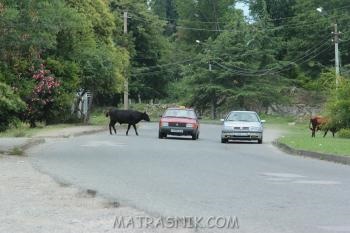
(176, 131)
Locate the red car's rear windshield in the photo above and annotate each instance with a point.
(180, 113)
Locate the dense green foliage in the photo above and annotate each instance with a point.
(338, 106)
(202, 53)
(10, 106)
(75, 40)
(251, 64)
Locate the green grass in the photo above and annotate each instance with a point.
(299, 137)
(16, 151)
(98, 118)
(276, 120)
(271, 121)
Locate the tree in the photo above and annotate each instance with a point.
(199, 20)
(146, 46)
(102, 63)
(166, 10)
(244, 69)
(10, 107)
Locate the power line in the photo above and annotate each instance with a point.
(161, 71)
(291, 26)
(150, 73)
(183, 27)
(224, 22)
(279, 70)
(168, 64)
(296, 16)
(306, 54)
(314, 52)
(261, 72)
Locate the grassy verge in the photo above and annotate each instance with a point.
(98, 117)
(16, 151)
(23, 130)
(299, 137)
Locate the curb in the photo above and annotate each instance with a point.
(23, 147)
(310, 154)
(84, 132)
(31, 143)
(34, 141)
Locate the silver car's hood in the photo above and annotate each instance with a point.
(241, 124)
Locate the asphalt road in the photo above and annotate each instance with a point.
(267, 190)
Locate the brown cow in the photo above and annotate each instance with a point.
(321, 123)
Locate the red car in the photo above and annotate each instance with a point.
(179, 122)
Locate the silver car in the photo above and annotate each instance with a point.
(242, 125)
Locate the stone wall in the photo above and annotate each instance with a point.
(299, 110)
(303, 104)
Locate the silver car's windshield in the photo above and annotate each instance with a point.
(242, 116)
(180, 113)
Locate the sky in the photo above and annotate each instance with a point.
(243, 7)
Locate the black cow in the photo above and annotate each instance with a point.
(129, 117)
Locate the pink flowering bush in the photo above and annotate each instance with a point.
(43, 96)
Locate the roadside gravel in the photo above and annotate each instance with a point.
(34, 203)
(31, 202)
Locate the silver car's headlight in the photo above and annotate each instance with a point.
(253, 128)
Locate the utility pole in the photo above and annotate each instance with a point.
(126, 82)
(336, 48)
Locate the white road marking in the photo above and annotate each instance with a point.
(296, 179)
(279, 179)
(321, 182)
(336, 228)
(283, 175)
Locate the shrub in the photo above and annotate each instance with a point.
(344, 133)
(338, 105)
(43, 96)
(10, 106)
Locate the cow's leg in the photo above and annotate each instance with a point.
(313, 133)
(110, 127)
(135, 129)
(325, 133)
(127, 132)
(115, 131)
